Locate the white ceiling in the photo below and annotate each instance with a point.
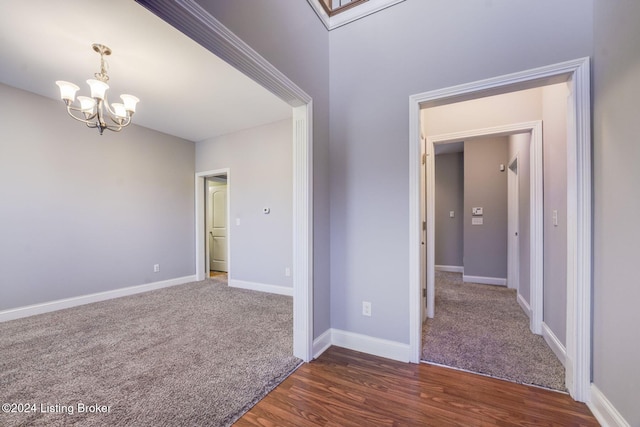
(184, 89)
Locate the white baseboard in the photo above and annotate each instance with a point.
(47, 307)
(524, 305)
(261, 287)
(606, 414)
(500, 281)
(450, 268)
(370, 345)
(322, 343)
(554, 344)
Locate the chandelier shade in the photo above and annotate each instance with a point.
(96, 110)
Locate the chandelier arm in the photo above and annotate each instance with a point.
(119, 122)
(88, 120)
(106, 102)
(114, 128)
(124, 122)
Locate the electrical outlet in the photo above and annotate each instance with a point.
(366, 308)
(156, 268)
(287, 272)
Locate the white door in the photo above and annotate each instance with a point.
(513, 224)
(217, 228)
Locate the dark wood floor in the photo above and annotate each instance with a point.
(347, 388)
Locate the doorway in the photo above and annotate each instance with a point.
(576, 74)
(217, 226)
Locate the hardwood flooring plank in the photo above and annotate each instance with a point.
(346, 388)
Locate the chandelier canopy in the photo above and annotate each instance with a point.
(96, 110)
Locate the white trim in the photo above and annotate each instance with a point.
(200, 221)
(513, 223)
(322, 343)
(261, 287)
(450, 268)
(579, 223)
(370, 345)
(302, 263)
(578, 213)
(498, 281)
(61, 304)
(524, 305)
(554, 343)
(198, 24)
(604, 411)
(343, 18)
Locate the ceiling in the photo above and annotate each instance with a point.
(184, 89)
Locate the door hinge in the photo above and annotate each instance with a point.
(424, 225)
(424, 158)
(424, 292)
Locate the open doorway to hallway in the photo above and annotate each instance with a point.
(478, 323)
(578, 325)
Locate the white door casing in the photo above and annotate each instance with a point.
(513, 227)
(579, 240)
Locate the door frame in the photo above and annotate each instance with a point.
(579, 216)
(207, 250)
(198, 24)
(535, 213)
(513, 219)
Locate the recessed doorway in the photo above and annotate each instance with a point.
(578, 284)
(217, 225)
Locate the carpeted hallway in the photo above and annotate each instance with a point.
(481, 328)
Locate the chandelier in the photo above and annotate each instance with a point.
(95, 110)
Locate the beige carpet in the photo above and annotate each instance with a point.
(481, 328)
(199, 354)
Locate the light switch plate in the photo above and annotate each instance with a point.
(477, 221)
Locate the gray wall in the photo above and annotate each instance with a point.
(519, 145)
(261, 166)
(83, 213)
(485, 185)
(376, 64)
(554, 117)
(292, 38)
(616, 347)
(449, 196)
